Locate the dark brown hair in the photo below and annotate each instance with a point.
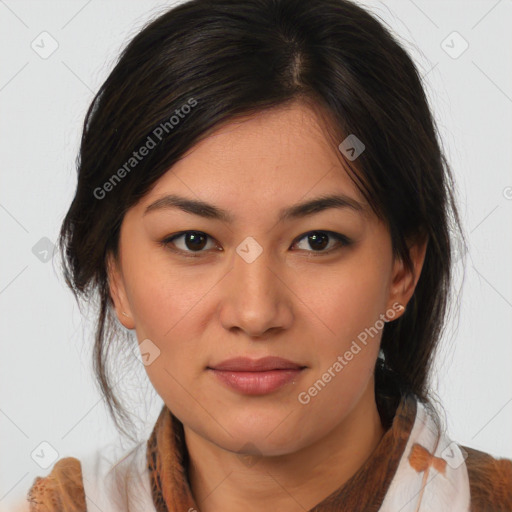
(230, 58)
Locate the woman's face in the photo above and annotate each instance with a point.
(255, 285)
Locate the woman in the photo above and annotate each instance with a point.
(263, 203)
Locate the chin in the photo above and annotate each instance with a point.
(261, 434)
(247, 444)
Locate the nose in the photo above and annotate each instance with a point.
(256, 298)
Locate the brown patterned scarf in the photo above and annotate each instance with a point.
(168, 465)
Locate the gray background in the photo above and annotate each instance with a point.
(47, 393)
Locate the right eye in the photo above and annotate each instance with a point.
(191, 242)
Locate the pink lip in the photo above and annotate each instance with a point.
(245, 364)
(256, 377)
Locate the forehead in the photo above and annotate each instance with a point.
(264, 161)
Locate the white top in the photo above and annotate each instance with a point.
(429, 491)
(116, 481)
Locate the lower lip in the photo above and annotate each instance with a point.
(256, 383)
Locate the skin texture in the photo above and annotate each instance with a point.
(291, 301)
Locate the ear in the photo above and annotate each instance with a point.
(404, 280)
(118, 292)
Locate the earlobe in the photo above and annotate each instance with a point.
(117, 293)
(405, 280)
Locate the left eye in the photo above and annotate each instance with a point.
(319, 240)
(194, 241)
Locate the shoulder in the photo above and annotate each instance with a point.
(111, 478)
(490, 481)
(73, 482)
(62, 489)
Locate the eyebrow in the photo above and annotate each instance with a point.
(296, 211)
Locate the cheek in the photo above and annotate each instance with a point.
(165, 297)
(347, 301)
(349, 308)
(168, 309)
(346, 353)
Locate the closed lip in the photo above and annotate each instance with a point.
(245, 364)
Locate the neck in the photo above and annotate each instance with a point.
(292, 482)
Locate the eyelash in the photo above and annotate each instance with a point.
(342, 239)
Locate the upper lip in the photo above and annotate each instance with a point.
(240, 364)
